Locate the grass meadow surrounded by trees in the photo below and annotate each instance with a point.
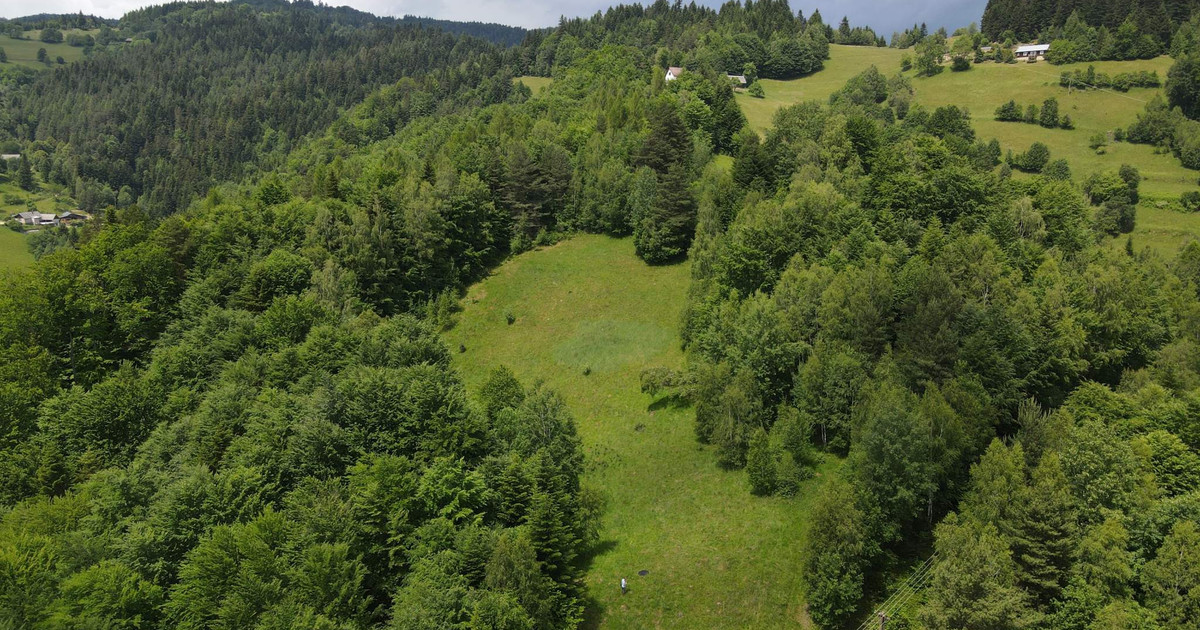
(24, 51)
(717, 557)
(380, 327)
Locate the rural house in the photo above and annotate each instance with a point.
(37, 218)
(739, 81)
(1032, 51)
(673, 73)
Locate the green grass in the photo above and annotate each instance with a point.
(14, 254)
(843, 63)
(23, 52)
(535, 84)
(717, 556)
(987, 86)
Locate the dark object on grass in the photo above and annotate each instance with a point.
(510, 318)
(461, 348)
(587, 370)
(639, 427)
(643, 573)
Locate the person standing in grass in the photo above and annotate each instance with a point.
(623, 586)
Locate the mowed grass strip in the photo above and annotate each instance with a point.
(717, 556)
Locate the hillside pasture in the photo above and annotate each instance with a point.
(989, 85)
(23, 52)
(843, 63)
(590, 316)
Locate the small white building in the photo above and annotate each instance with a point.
(10, 156)
(739, 80)
(673, 73)
(1032, 51)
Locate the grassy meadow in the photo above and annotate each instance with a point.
(14, 254)
(717, 556)
(988, 85)
(23, 52)
(535, 84)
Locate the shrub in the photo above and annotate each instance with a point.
(1033, 160)
(760, 464)
(1190, 201)
(756, 90)
(1058, 169)
(1098, 139)
(959, 64)
(1008, 112)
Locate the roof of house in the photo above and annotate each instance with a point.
(675, 71)
(740, 78)
(1033, 48)
(9, 156)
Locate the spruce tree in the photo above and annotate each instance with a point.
(1043, 536)
(25, 174)
(665, 232)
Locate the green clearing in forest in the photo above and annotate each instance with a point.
(717, 556)
(843, 63)
(23, 52)
(535, 84)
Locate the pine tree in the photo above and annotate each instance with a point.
(25, 174)
(1043, 536)
(665, 232)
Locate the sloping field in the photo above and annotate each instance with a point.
(716, 556)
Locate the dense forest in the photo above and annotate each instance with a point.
(1028, 18)
(227, 404)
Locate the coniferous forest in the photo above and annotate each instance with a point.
(225, 401)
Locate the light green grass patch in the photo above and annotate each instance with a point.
(717, 556)
(843, 63)
(23, 52)
(987, 86)
(14, 252)
(535, 84)
(607, 345)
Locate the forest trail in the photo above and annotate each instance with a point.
(716, 556)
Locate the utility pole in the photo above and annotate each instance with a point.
(882, 620)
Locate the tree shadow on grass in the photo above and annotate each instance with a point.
(672, 401)
(593, 610)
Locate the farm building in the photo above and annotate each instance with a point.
(673, 73)
(739, 81)
(36, 218)
(1032, 51)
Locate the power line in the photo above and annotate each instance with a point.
(919, 575)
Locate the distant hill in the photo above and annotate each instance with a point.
(495, 33)
(144, 19)
(61, 20)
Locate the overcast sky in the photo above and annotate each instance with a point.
(884, 16)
